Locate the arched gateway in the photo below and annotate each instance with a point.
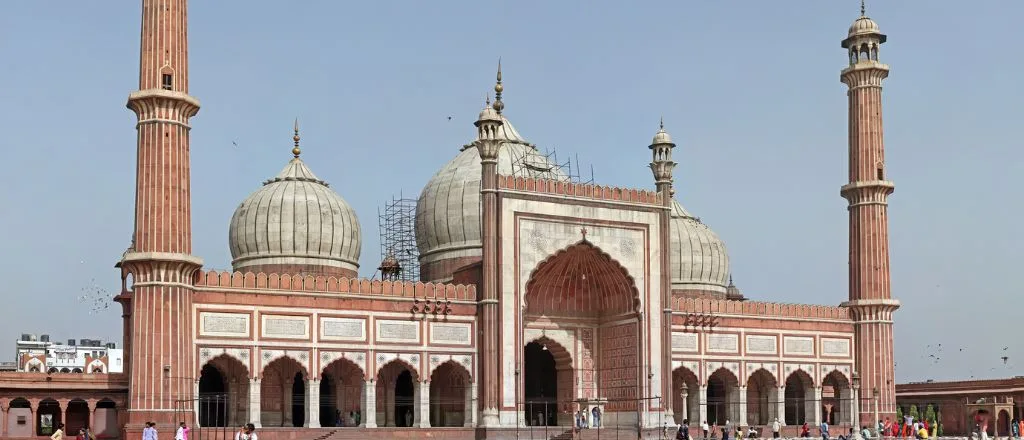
(582, 341)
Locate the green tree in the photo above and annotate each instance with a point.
(913, 412)
(899, 414)
(929, 414)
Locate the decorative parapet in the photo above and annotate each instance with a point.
(579, 190)
(324, 284)
(759, 309)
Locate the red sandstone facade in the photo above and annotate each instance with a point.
(957, 403)
(572, 304)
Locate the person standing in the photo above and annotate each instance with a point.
(776, 428)
(684, 430)
(149, 432)
(59, 433)
(726, 429)
(704, 427)
(824, 430)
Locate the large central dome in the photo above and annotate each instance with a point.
(448, 210)
(295, 224)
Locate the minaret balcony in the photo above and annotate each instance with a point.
(867, 191)
(155, 105)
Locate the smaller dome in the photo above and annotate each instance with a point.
(488, 114)
(862, 26)
(661, 137)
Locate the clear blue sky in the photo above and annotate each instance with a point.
(749, 90)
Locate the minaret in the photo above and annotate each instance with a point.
(162, 360)
(662, 166)
(488, 145)
(871, 303)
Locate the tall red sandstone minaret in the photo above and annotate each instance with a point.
(160, 260)
(871, 301)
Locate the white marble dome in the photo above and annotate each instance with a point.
(448, 211)
(699, 259)
(295, 220)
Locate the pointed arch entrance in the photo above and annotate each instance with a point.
(592, 299)
(223, 392)
(283, 393)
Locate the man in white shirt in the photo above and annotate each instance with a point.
(776, 427)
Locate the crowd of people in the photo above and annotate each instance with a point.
(909, 428)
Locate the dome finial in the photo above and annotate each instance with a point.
(498, 88)
(863, 10)
(661, 123)
(296, 151)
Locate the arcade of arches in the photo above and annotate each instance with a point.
(287, 397)
(30, 417)
(761, 399)
(583, 291)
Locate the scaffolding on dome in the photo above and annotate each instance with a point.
(532, 163)
(400, 258)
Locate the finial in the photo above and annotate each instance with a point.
(498, 88)
(730, 280)
(487, 102)
(661, 123)
(863, 10)
(296, 151)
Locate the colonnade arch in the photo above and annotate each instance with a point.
(686, 395)
(283, 393)
(723, 395)
(398, 385)
(800, 398)
(451, 396)
(341, 393)
(223, 392)
(762, 398)
(36, 415)
(836, 395)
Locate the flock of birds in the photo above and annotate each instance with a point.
(934, 355)
(95, 297)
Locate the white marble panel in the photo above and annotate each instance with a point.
(342, 329)
(284, 327)
(762, 344)
(684, 341)
(835, 346)
(398, 331)
(722, 343)
(798, 345)
(451, 333)
(219, 324)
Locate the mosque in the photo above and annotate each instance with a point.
(540, 297)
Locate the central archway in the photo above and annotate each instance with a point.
(594, 302)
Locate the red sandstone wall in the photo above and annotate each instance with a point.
(579, 190)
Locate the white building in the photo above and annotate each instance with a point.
(82, 356)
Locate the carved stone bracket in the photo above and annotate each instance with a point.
(431, 309)
(699, 321)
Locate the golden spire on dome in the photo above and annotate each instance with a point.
(296, 151)
(498, 88)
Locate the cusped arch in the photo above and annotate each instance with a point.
(837, 375)
(727, 375)
(803, 376)
(398, 364)
(568, 280)
(96, 366)
(344, 364)
(463, 362)
(281, 359)
(762, 371)
(563, 358)
(34, 363)
(454, 368)
(222, 362)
